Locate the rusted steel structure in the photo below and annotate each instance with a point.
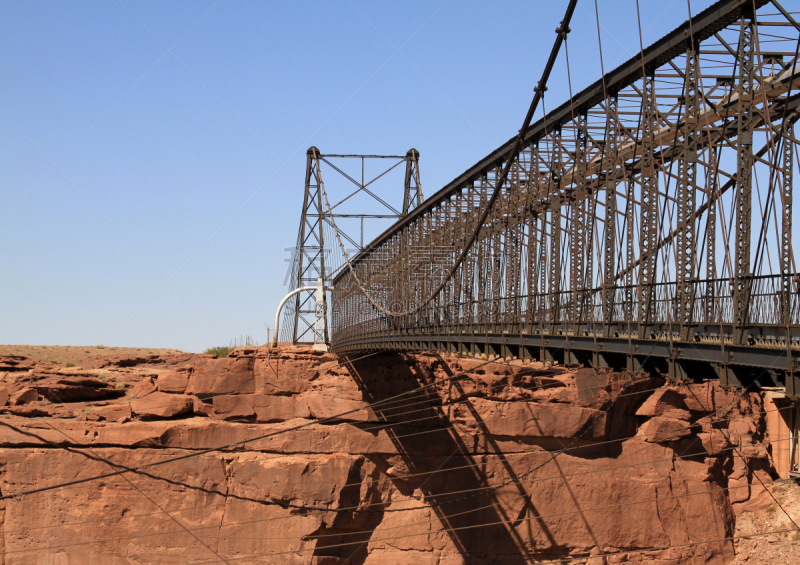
(315, 254)
(645, 224)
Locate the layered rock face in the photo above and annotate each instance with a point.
(276, 457)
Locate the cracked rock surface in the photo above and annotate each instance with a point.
(476, 463)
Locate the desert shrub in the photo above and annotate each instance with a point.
(69, 364)
(221, 351)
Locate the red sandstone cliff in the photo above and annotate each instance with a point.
(503, 464)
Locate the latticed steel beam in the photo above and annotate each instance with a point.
(744, 177)
(610, 165)
(578, 228)
(687, 175)
(785, 177)
(412, 195)
(649, 207)
(555, 236)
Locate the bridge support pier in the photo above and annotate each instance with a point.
(783, 430)
(528, 353)
(677, 371)
(727, 378)
(610, 360)
(793, 386)
(634, 364)
(598, 361)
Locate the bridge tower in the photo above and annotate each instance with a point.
(317, 254)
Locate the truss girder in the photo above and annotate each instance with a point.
(653, 206)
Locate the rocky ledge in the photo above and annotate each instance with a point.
(297, 456)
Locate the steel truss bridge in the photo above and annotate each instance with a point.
(645, 224)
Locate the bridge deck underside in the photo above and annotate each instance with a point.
(733, 365)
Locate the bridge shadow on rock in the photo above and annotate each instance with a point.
(447, 466)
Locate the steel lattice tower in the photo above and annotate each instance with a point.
(311, 258)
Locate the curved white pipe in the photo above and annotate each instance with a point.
(287, 297)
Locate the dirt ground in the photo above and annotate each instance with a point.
(74, 353)
(775, 549)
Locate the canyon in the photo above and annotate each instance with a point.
(291, 455)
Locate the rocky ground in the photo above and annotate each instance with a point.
(75, 353)
(274, 457)
(769, 516)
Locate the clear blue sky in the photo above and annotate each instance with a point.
(152, 153)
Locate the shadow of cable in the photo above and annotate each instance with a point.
(528, 507)
(440, 464)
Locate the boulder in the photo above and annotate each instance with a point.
(222, 376)
(663, 428)
(265, 408)
(61, 393)
(82, 380)
(590, 383)
(714, 442)
(324, 405)
(113, 412)
(665, 402)
(174, 381)
(143, 388)
(16, 363)
(4, 396)
(162, 405)
(279, 408)
(200, 408)
(532, 419)
(738, 482)
(699, 397)
(234, 406)
(289, 372)
(24, 396)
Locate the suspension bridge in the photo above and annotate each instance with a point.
(645, 224)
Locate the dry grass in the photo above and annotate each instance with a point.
(221, 351)
(74, 353)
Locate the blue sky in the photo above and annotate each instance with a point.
(152, 153)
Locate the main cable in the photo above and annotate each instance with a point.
(562, 31)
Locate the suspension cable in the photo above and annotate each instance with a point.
(562, 32)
